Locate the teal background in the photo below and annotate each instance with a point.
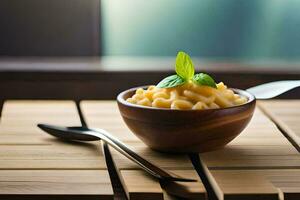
(219, 29)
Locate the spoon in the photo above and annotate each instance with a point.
(86, 134)
(273, 89)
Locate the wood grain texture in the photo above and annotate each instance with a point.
(260, 145)
(69, 156)
(139, 185)
(105, 115)
(241, 184)
(286, 114)
(191, 190)
(29, 113)
(270, 184)
(287, 181)
(18, 125)
(258, 164)
(54, 182)
(168, 161)
(34, 165)
(186, 131)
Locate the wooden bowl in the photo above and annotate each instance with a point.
(186, 130)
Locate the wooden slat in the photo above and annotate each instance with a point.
(55, 182)
(51, 156)
(192, 190)
(24, 115)
(139, 185)
(261, 145)
(58, 112)
(105, 115)
(287, 181)
(178, 164)
(35, 165)
(242, 183)
(168, 161)
(239, 171)
(286, 114)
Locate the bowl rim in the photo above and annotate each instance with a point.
(120, 99)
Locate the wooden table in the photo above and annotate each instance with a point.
(261, 163)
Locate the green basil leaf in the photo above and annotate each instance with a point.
(204, 79)
(184, 66)
(171, 81)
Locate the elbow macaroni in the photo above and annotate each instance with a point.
(187, 96)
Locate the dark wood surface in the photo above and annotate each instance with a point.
(95, 78)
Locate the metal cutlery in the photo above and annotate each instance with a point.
(86, 134)
(273, 89)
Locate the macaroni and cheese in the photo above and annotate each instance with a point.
(187, 96)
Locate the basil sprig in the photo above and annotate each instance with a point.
(185, 72)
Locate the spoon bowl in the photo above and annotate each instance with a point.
(185, 131)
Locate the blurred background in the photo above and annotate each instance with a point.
(215, 29)
(79, 45)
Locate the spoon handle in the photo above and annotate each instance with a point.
(126, 151)
(273, 89)
(86, 134)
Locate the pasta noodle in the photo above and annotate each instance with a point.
(187, 96)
